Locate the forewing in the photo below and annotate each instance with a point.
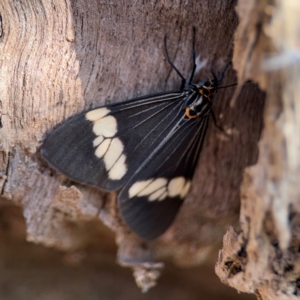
(150, 200)
(103, 147)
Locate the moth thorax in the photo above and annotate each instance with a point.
(209, 88)
(199, 108)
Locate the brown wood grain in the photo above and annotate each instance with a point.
(59, 58)
(263, 258)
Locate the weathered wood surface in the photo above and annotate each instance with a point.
(263, 258)
(59, 58)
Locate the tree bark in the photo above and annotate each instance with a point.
(59, 58)
(263, 258)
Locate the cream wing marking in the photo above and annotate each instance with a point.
(102, 148)
(163, 196)
(138, 187)
(106, 126)
(156, 195)
(97, 114)
(107, 146)
(185, 189)
(113, 153)
(160, 188)
(119, 169)
(98, 140)
(175, 186)
(153, 186)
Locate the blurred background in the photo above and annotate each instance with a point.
(30, 271)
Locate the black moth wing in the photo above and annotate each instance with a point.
(122, 135)
(151, 199)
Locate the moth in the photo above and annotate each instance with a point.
(148, 147)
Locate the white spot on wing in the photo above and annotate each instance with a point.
(113, 153)
(98, 140)
(153, 187)
(160, 188)
(137, 187)
(185, 189)
(175, 186)
(157, 194)
(163, 196)
(119, 169)
(106, 126)
(97, 114)
(101, 150)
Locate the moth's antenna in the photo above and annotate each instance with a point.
(173, 66)
(222, 75)
(224, 87)
(194, 57)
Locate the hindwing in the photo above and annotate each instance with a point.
(151, 198)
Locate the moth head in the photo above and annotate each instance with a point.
(210, 87)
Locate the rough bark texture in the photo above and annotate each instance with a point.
(263, 258)
(58, 58)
